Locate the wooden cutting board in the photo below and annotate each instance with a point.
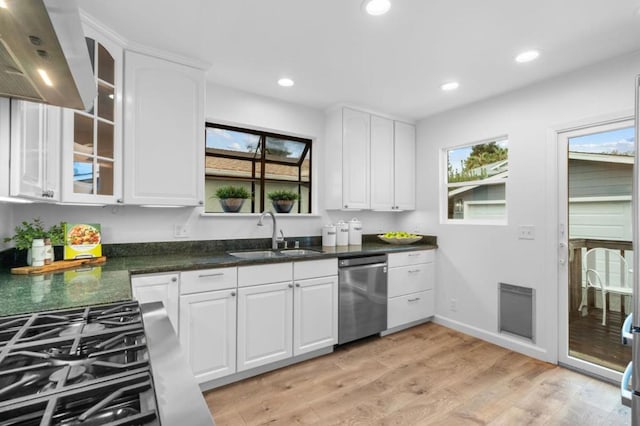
(58, 266)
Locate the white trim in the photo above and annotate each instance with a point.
(558, 136)
(599, 199)
(140, 48)
(369, 111)
(504, 340)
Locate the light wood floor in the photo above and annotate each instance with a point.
(425, 375)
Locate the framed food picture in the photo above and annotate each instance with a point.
(82, 240)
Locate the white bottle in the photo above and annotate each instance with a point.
(37, 252)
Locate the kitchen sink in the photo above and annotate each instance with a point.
(298, 252)
(268, 254)
(258, 254)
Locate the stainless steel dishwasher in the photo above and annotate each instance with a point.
(362, 297)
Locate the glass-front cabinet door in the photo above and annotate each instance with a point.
(91, 139)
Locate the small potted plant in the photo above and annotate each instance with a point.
(26, 232)
(282, 200)
(232, 197)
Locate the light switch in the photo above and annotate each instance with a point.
(526, 232)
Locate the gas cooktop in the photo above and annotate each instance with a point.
(86, 366)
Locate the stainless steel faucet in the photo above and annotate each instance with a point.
(274, 238)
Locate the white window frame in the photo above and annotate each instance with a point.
(445, 186)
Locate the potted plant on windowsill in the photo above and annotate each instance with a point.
(232, 197)
(282, 200)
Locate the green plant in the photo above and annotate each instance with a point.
(26, 232)
(56, 234)
(282, 194)
(231, 191)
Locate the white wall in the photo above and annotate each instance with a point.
(6, 224)
(223, 105)
(473, 259)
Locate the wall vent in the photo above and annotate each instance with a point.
(516, 310)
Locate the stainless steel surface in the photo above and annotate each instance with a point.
(635, 359)
(636, 221)
(268, 254)
(258, 254)
(180, 401)
(297, 252)
(362, 297)
(274, 237)
(47, 35)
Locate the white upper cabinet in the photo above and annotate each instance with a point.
(355, 160)
(163, 132)
(404, 160)
(35, 150)
(92, 140)
(370, 162)
(382, 165)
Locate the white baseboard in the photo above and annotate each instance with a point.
(507, 341)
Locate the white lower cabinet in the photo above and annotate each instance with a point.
(163, 288)
(315, 315)
(410, 287)
(208, 333)
(208, 321)
(265, 324)
(289, 318)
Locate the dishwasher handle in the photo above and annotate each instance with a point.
(369, 266)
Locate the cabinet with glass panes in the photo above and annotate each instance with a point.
(91, 147)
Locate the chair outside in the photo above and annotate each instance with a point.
(608, 271)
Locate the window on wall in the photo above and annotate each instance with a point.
(260, 162)
(477, 180)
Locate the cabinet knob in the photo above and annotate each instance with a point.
(200, 202)
(233, 293)
(174, 279)
(297, 284)
(346, 206)
(290, 285)
(119, 201)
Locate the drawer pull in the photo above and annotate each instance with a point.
(219, 274)
(414, 254)
(413, 271)
(413, 300)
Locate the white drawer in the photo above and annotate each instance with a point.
(208, 280)
(409, 279)
(264, 274)
(412, 307)
(315, 268)
(410, 258)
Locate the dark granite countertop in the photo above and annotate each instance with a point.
(111, 282)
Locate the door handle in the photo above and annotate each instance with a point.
(563, 257)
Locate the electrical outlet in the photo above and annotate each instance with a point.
(180, 231)
(526, 232)
(453, 305)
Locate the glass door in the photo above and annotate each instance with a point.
(595, 186)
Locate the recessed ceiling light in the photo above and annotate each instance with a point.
(452, 85)
(285, 82)
(527, 56)
(3, 4)
(376, 7)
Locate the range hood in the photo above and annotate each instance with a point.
(43, 53)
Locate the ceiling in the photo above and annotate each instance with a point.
(393, 63)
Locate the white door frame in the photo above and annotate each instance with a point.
(562, 135)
